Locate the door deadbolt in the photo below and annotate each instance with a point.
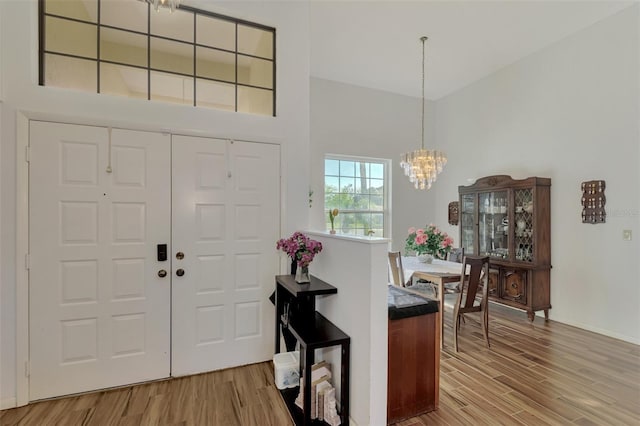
(180, 272)
(162, 273)
(179, 255)
(162, 252)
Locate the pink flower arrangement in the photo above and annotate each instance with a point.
(429, 240)
(300, 248)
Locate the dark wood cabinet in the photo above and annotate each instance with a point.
(413, 373)
(510, 221)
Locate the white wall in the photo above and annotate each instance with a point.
(569, 112)
(352, 120)
(18, 35)
(357, 267)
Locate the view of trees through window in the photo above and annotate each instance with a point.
(358, 190)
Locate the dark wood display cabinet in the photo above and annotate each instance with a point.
(313, 331)
(510, 221)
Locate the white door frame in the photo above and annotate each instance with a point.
(22, 223)
(22, 249)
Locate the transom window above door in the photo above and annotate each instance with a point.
(189, 56)
(359, 189)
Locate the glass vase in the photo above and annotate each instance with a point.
(302, 275)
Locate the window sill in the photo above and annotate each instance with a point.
(356, 238)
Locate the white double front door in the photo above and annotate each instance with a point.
(101, 205)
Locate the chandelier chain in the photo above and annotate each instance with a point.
(423, 39)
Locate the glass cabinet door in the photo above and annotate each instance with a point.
(467, 223)
(493, 224)
(523, 225)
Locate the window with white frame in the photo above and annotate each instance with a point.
(358, 187)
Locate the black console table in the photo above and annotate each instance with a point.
(313, 331)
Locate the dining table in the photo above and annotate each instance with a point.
(439, 272)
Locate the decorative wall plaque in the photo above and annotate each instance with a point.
(453, 213)
(593, 201)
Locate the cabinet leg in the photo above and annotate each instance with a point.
(546, 315)
(531, 315)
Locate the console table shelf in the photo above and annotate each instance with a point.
(313, 331)
(318, 334)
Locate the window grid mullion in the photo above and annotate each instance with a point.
(148, 51)
(98, 82)
(69, 18)
(195, 72)
(41, 23)
(273, 84)
(236, 66)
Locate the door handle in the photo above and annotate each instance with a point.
(162, 273)
(180, 272)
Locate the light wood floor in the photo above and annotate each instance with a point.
(534, 374)
(238, 396)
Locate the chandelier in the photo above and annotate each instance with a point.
(423, 165)
(157, 4)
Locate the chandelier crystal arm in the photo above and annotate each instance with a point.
(169, 4)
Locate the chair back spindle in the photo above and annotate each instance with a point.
(397, 272)
(471, 288)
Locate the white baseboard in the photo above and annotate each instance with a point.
(597, 330)
(587, 327)
(8, 403)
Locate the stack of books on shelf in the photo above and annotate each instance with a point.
(323, 394)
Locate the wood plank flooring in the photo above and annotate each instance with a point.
(534, 374)
(237, 396)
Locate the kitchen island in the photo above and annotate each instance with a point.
(413, 376)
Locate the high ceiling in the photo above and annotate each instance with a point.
(376, 44)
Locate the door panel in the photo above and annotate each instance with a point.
(515, 285)
(225, 221)
(99, 313)
(494, 280)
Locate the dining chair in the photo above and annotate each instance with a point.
(456, 254)
(397, 271)
(475, 284)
